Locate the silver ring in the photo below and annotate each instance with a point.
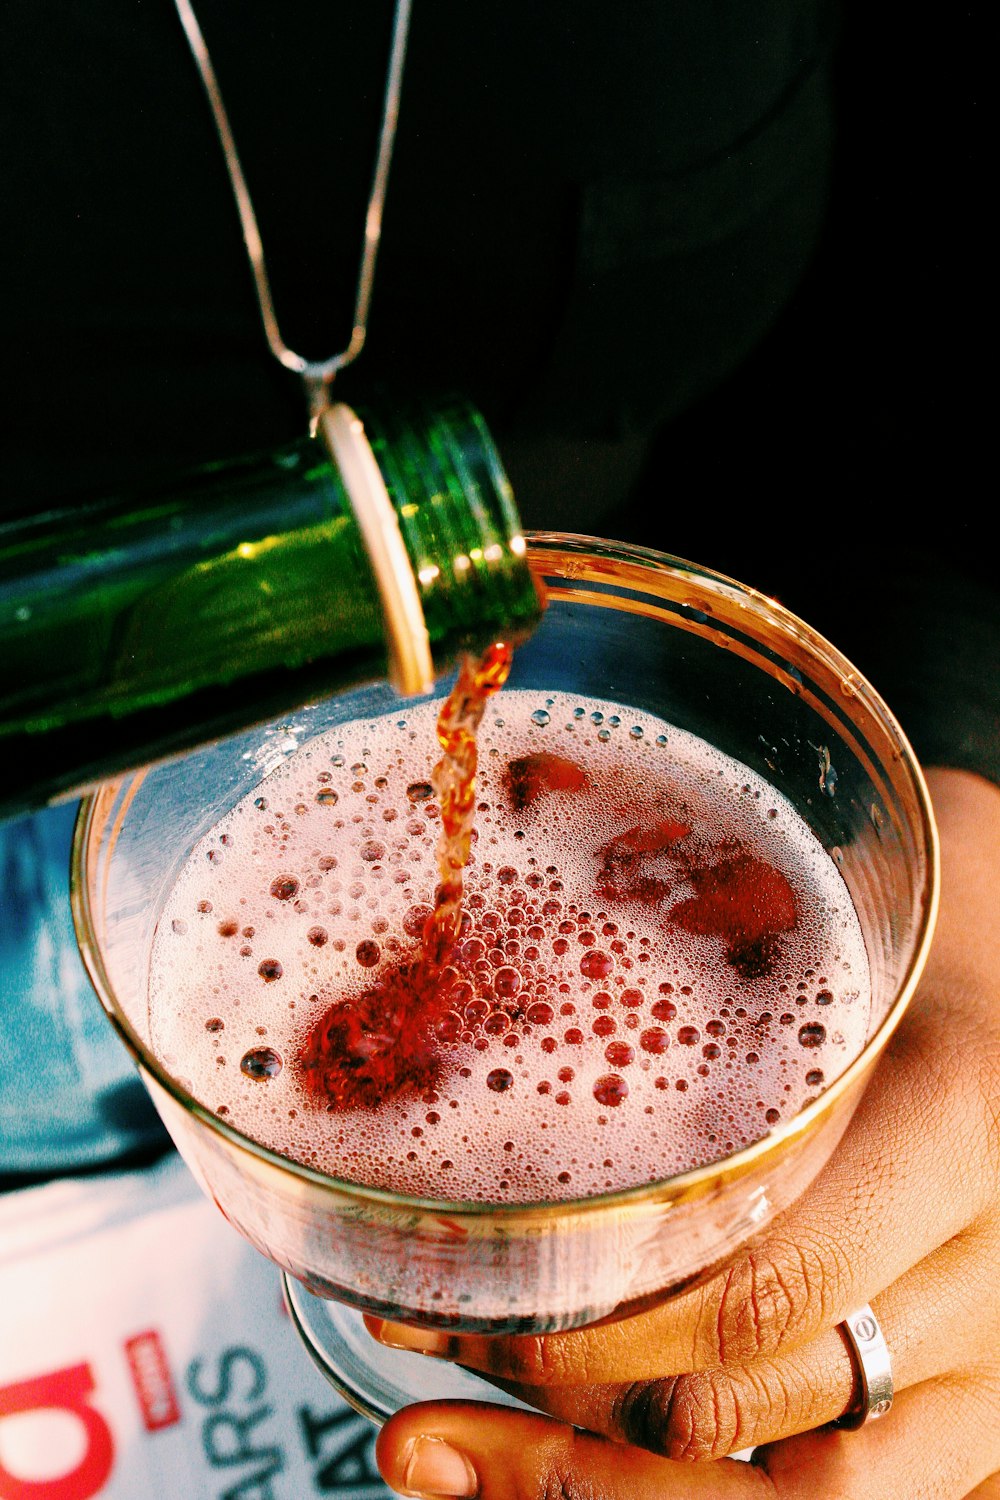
(874, 1367)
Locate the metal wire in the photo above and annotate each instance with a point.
(317, 374)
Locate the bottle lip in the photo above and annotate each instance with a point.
(411, 668)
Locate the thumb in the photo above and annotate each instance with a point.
(463, 1449)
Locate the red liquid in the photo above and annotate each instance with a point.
(455, 783)
(371, 1047)
(653, 964)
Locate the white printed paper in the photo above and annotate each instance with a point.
(145, 1354)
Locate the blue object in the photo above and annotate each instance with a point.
(69, 1093)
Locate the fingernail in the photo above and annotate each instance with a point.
(437, 1471)
(416, 1340)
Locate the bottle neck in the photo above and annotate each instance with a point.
(134, 628)
(458, 523)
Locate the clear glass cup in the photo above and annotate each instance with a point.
(704, 653)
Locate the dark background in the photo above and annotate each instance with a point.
(861, 419)
(717, 276)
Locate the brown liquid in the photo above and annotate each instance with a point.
(455, 783)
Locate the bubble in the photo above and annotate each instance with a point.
(419, 791)
(610, 1090)
(772, 1116)
(327, 797)
(270, 970)
(507, 982)
(227, 929)
(284, 888)
(619, 1054)
(541, 718)
(215, 1023)
(317, 936)
(812, 1035)
(814, 1077)
(499, 1080)
(368, 953)
(371, 851)
(824, 998)
(261, 1063)
(688, 1036)
(416, 919)
(596, 965)
(179, 926)
(604, 1026)
(655, 1040)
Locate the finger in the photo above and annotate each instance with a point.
(935, 1321)
(967, 809)
(889, 1198)
(938, 1443)
(941, 1441)
(463, 1449)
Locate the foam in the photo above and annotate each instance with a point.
(336, 820)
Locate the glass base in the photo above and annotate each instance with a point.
(377, 1381)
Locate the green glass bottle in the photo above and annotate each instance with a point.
(137, 627)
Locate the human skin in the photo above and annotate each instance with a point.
(906, 1216)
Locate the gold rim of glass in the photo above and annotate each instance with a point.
(659, 578)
